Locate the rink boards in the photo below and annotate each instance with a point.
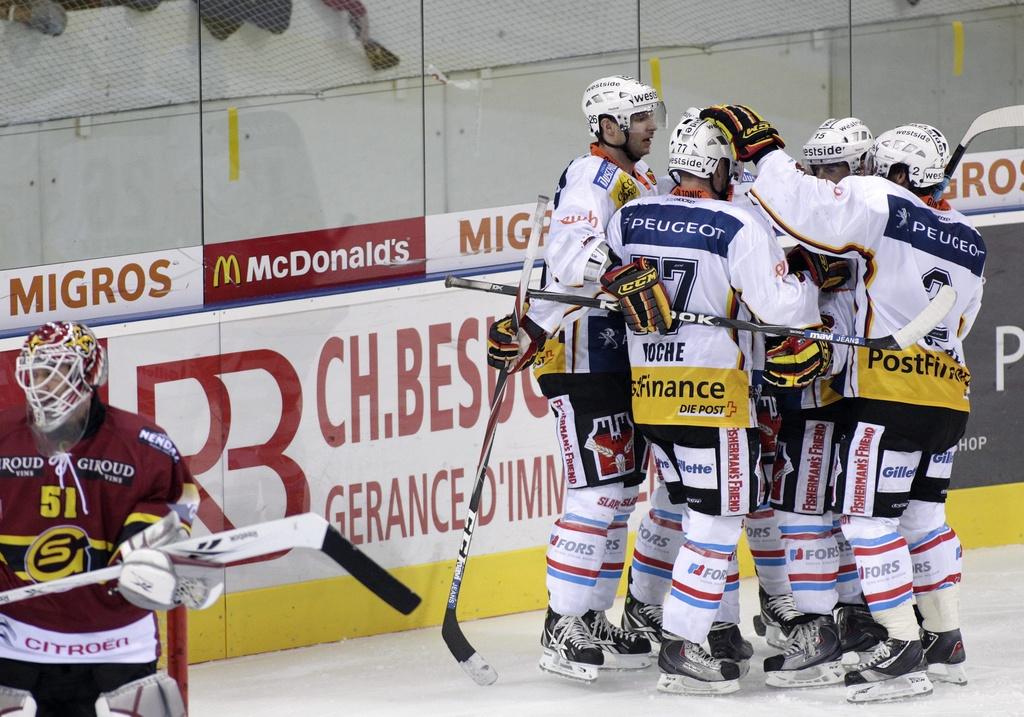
(368, 408)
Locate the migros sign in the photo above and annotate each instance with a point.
(102, 287)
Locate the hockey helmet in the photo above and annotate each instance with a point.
(922, 148)
(697, 146)
(839, 140)
(620, 97)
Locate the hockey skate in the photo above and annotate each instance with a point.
(813, 657)
(643, 618)
(623, 650)
(858, 632)
(777, 619)
(727, 643)
(686, 669)
(569, 648)
(896, 669)
(944, 652)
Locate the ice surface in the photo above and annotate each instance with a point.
(412, 673)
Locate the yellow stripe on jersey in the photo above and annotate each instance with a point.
(691, 396)
(915, 376)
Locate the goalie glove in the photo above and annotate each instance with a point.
(750, 134)
(642, 297)
(829, 273)
(794, 362)
(513, 352)
(165, 531)
(150, 580)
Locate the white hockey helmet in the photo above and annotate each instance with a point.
(697, 146)
(620, 97)
(59, 366)
(839, 140)
(922, 148)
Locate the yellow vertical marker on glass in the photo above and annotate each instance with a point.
(958, 48)
(232, 144)
(656, 76)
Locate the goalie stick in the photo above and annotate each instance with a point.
(1001, 118)
(469, 659)
(916, 329)
(307, 530)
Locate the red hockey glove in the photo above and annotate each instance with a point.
(793, 362)
(751, 136)
(642, 297)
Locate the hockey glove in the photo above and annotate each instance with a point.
(513, 352)
(829, 273)
(751, 136)
(151, 581)
(642, 297)
(794, 362)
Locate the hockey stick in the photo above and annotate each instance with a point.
(1003, 117)
(469, 659)
(930, 317)
(307, 530)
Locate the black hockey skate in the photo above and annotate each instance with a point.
(778, 618)
(569, 648)
(858, 632)
(812, 658)
(727, 643)
(944, 652)
(642, 617)
(896, 669)
(686, 669)
(623, 650)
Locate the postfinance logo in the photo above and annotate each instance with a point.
(691, 396)
(916, 376)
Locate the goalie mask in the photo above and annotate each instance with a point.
(620, 97)
(845, 140)
(59, 366)
(920, 147)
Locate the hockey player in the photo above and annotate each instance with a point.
(907, 409)
(659, 536)
(584, 374)
(86, 484)
(811, 422)
(691, 384)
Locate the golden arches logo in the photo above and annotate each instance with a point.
(226, 271)
(57, 553)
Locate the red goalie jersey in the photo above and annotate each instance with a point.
(67, 513)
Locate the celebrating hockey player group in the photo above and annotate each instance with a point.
(836, 459)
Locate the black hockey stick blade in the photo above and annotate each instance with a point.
(376, 579)
(468, 658)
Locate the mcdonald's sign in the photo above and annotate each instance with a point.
(314, 260)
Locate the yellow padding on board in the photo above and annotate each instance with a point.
(958, 48)
(656, 76)
(232, 144)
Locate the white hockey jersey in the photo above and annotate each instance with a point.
(589, 191)
(716, 258)
(904, 250)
